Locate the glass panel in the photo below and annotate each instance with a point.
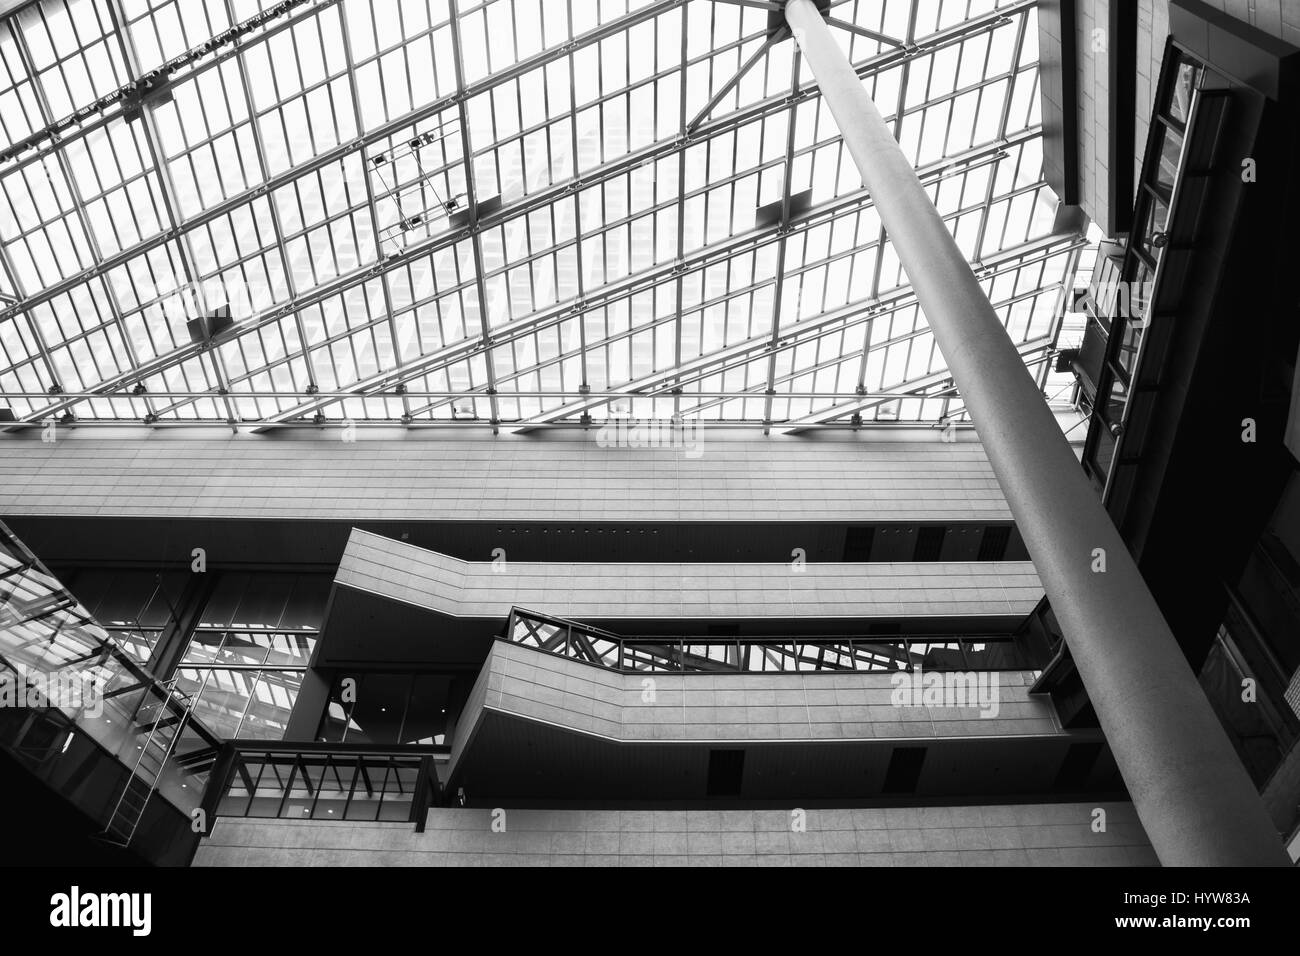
(1130, 332)
(205, 647)
(335, 723)
(937, 655)
(1254, 727)
(380, 707)
(221, 697)
(994, 655)
(426, 712)
(223, 188)
(1180, 100)
(88, 686)
(290, 649)
(1157, 214)
(1104, 451)
(1166, 172)
(267, 717)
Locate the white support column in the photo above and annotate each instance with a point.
(1194, 798)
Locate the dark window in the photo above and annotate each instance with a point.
(993, 546)
(857, 543)
(726, 770)
(376, 708)
(904, 770)
(1077, 767)
(929, 543)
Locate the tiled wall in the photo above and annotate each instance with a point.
(525, 682)
(1093, 50)
(1278, 18)
(387, 475)
(608, 591)
(1023, 835)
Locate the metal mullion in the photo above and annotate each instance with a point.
(1014, 194)
(899, 114)
(683, 146)
(1002, 135)
(733, 83)
(475, 237)
(778, 291)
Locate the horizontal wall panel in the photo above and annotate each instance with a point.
(1048, 834)
(717, 708)
(540, 726)
(606, 591)
(552, 477)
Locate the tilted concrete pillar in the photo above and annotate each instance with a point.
(1194, 798)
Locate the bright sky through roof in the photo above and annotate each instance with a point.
(320, 175)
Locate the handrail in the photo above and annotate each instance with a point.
(807, 653)
(355, 791)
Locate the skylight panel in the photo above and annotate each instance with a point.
(610, 207)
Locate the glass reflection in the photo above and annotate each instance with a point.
(383, 708)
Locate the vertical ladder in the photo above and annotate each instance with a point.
(164, 730)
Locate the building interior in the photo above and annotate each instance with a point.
(650, 432)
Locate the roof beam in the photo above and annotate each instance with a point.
(864, 32)
(485, 322)
(731, 84)
(778, 295)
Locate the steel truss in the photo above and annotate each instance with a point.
(408, 385)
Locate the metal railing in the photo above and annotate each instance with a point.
(795, 654)
(318, 781)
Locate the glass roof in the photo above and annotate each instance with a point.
(512, 211)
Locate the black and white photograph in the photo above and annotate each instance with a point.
(639, 434)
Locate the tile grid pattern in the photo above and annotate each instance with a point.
(528, 683)
(1024, 835)
(780, 478)
(608, 591)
